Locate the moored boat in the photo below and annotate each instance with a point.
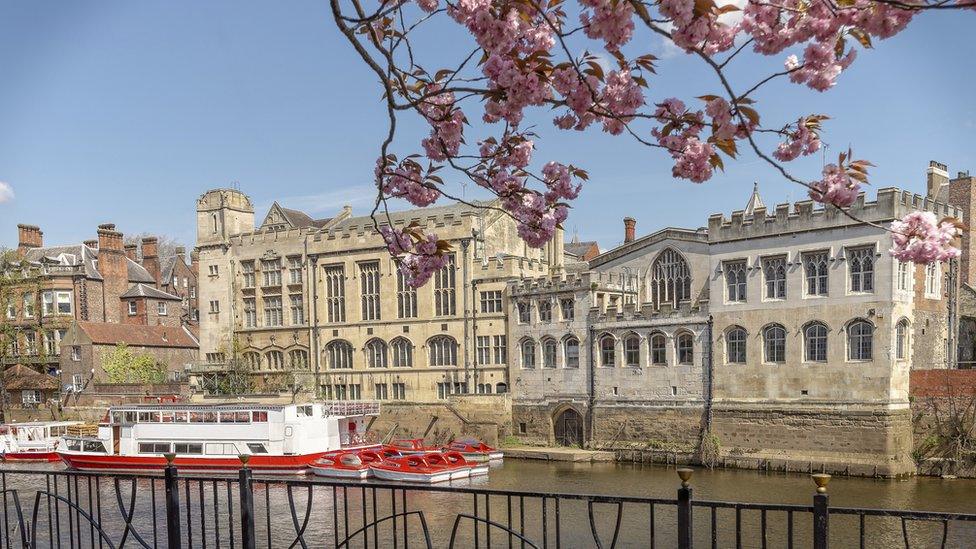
(413, 468)
(459, 469)
(412, 446)
(475, 468)
(343, 465)
(474, 450)
(33, 441)
(210, 438)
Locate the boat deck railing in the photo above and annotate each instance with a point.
(352, 407)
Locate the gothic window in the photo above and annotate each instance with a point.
(632, 351)
(860, 263)
(571, 350)
(567, 309)
(659, 349)
(904, 282)
(442, 351)
(608, 357)
(252, 360)
(901, 339)
(444, 285)
(549, 351)
(276, 360)
(774, 344)
(528, 353)
(297, 310)
(402, 351)
(735, 281)
(815, 272)
(686, 349)
(272, 311)
(774, 270)
(271, 268)
(735, 345)
(500, 346)
(298, 359)
(671, 279)
(375, 354)
(933, 280)
(815, 342)
(339, 355)
(250, 313)
(406, 297)
(335, 293)
(294, 270)
(369, 288)
(524, 312)
(860, 340)
(247, 271)
(545, 310)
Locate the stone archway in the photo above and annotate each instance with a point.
(568, 428)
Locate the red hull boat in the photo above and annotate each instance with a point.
(266, 464)
(31, 456)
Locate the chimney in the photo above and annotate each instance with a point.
(92, 244)
(113, 267)
(29, 236)
(150, 258)
(181, 252)
(130, 251)
(195, 263)
(936, 177)
(630, 227)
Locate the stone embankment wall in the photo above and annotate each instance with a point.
(485, 417)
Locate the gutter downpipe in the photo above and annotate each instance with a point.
(591, 397)
(313, 330)
(465, 242)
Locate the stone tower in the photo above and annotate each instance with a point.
(221, 214)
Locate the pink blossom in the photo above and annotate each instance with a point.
(694, 161)
(418, 256)
(559, 182)
(821, 67)
(920, 238)
(608, 20)
(803, 141)
(427, 5)
(406, 181)
(835, 188)
(447, 124)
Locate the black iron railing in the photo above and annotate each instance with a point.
(43, 508)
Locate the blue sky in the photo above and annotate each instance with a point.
(125, 112)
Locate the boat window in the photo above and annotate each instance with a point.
(257, 448)
(93, 446)
(203, 417)
(350, 459)
(167, 417)
(304, 410)
(242, 417)
(221, 449)
(149, 447)
(130, 417)
(259, 417)
(117, 417)
(73, 445)
(180, 417)
(145, 417)
(188, 448)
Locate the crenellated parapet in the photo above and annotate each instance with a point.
(805, 215)
(572, 282)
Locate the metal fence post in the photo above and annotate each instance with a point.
(247, 504)
(173, 538)
(684, 509)
(821, 518)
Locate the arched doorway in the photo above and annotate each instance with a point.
(568, 428)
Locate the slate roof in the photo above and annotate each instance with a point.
(166, 266)
(579, 249)
(455, 209)
(79, 254)
(105, 333)
(144, 290)
(20, 377)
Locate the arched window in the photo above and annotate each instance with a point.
(571, 350)
(375, 353)
(298, 359)
(549, 351)
(545, 310)
(774, 343)
(671, 279)
(901, 339)
(276, 360)
(659, 349)
(860, 340)
(686, 349)
(607, 356)
(815, 342)
(442, 351)
(528, 353)
(252, 360)
(402, 351)
(214, 219)
(632, 351)
(339, 354)
(501, 388)
(735, 345)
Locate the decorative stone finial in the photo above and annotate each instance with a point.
(685, 475)
(170, 456)
(244, 459)
(822, 479)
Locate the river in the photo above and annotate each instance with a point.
(440, 509)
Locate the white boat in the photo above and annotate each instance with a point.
(33, 441)
(210, 438)
(346, 465)
(411, 469)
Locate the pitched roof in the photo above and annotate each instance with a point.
(20, 377)
(105, 333)
(755, 201)
(166, 266)
(294, 218)
(80, 254)
(138, 273)
(143, 290)
(578, 248)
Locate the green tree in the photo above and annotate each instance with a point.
(124, 366)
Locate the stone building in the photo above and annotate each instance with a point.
(99, 280)
(782, 337)
(318, 305)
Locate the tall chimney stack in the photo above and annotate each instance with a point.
(195, 263)
(130, 251)
(630, 228)
(114, 270)
(92, 244)
(28, 237)
(150, 258)
(936, 179)
(181, 252)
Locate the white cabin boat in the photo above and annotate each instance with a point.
(212, 437)
(32, 441)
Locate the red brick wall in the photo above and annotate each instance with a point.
(942, 383)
